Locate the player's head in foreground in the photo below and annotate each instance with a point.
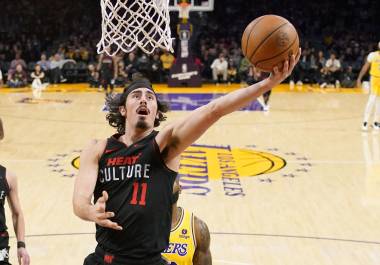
(137, 108)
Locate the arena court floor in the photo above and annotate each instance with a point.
(307, 191)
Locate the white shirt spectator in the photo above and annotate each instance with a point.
(45, 64)
(58, 62)
(219, 65)
(333, 64)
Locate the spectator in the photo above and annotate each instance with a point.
(157, 69)
(244, 69)
(314, 70)
(219, 67)
(77, 56)
(17, 78)
(18, 61)
(232, 72)
(332, 70)
(85, 54)
(37, 86)
(56, 65)
(45, 65)
(107, 68)
(93, 76)
(122, 75)
(131, 64)
(167, 60)
(144, 65)
(348, 78)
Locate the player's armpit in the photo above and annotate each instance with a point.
(202, 255)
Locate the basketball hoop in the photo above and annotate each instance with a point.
(128, 24)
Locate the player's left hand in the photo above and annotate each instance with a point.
(277, 75)
(23, 256)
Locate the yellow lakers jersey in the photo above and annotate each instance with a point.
(182, 243)
(374, 60)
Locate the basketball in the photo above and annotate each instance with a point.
(268, 41)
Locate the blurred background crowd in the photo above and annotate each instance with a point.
(59, 39)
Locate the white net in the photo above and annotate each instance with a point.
(128, 24)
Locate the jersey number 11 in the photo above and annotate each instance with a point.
(142, 194)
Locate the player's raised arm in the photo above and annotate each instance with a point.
(175, 138)
(84, 188)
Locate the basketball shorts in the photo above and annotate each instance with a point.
(100, 257)
(375, 85)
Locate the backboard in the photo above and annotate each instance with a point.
(196, 5)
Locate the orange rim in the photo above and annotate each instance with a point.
(183, 4)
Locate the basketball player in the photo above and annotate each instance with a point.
(107, 68)
(131, 174)
(373, 62)
(189, 242)
(255, 76)
(8, 188)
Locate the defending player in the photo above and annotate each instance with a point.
(372, 63)
(189, 242)
(8, 189)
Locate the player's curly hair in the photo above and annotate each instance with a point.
(113, 102)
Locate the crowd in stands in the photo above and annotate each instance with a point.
(59, 39)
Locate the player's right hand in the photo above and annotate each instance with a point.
(101, 217)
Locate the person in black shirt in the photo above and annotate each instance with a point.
(131, 174)
(107, 69)
(9, 190)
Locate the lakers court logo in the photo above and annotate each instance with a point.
(201, 164)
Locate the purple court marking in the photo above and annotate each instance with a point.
(192, 101)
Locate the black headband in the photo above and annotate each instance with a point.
(138, 84)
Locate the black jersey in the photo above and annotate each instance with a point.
(140, 189)
(4, 191)
(106, 66)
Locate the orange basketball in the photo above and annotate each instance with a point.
(269, 40)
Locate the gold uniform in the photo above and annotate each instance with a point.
(374, 60)
(182, 243)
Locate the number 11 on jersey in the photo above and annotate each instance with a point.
(144, 187)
